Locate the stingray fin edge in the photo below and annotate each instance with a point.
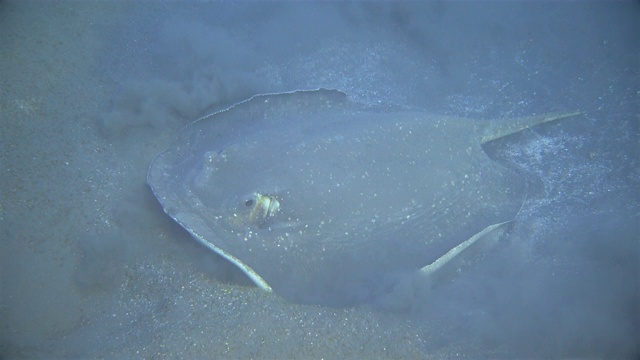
(517, 125)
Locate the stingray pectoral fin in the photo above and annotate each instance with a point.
(469, 252)
(504, 129)
(413, 289)
(252, 274)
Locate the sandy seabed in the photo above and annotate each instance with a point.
(92, 268)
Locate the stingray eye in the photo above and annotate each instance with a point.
(249, 202)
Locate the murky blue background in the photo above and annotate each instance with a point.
(91, 91)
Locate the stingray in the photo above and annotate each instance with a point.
(325, 200)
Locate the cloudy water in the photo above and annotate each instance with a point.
(91, 266)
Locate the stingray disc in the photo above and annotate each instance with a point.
(327, 201)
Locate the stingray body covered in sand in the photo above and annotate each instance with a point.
(328, 201)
